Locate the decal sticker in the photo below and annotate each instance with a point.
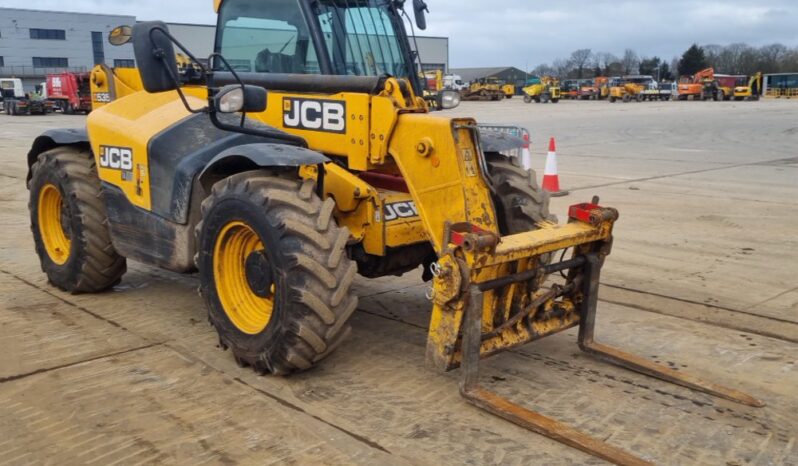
(399, 210)
(314, 114)
(118, 158)
(470, 163)
(102, 97)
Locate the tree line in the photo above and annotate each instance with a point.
(737, 58)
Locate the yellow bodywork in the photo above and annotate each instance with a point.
(439, 160)
(108, 84)
(747, 92)
(625, 91)
(131, 122)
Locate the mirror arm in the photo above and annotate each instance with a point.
(211, 60)
(159, 53)
(180, 46)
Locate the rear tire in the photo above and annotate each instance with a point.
(84, 259)
(302, 252)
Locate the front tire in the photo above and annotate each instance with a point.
(68, 221)
(274, 272)
(520, 203)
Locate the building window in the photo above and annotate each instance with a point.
(97, 48)
(124, 63)
(50, 62)
(51, 34)
(2, 63)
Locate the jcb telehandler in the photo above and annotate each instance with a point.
(279, 198)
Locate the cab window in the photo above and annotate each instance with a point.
(265, 38)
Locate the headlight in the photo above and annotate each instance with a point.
(448, 99)
(230, 100)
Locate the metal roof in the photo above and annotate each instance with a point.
(472, 74)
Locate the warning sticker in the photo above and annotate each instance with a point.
(470, 162)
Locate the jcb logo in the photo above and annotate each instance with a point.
(117, 158)
(315, 114)
(399, 210)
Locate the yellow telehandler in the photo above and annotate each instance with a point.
(279, 184)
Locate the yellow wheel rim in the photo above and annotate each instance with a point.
(55, 239)
(249, 312)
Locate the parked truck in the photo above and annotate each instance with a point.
(18, 102)
(69, 92)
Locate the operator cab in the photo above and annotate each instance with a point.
(320, 37)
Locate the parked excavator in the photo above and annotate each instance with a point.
(752, 90)
(701, 86)
(279, 185)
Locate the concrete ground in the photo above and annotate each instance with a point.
(703, 278)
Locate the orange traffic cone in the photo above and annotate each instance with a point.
(551, 180)
(526, 156)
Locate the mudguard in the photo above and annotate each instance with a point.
(261, 155)
(495, 141)
(53, 138)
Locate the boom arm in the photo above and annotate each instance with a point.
(707, 74)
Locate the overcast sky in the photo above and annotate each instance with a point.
(517, 32)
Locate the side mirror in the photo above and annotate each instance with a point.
(236, 98)
(120, 35)
(448, 99)
(155, 56)
(419, 7)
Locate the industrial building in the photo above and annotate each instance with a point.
(780, 85)
(34, 43)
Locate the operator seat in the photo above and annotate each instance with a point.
(270, 62)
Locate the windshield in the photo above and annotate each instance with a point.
(361, 38)
(355, 37)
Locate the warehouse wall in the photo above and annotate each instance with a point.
(18, 49)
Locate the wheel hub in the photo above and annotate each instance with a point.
(243, 278)
(54, 219)
(259, 273)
